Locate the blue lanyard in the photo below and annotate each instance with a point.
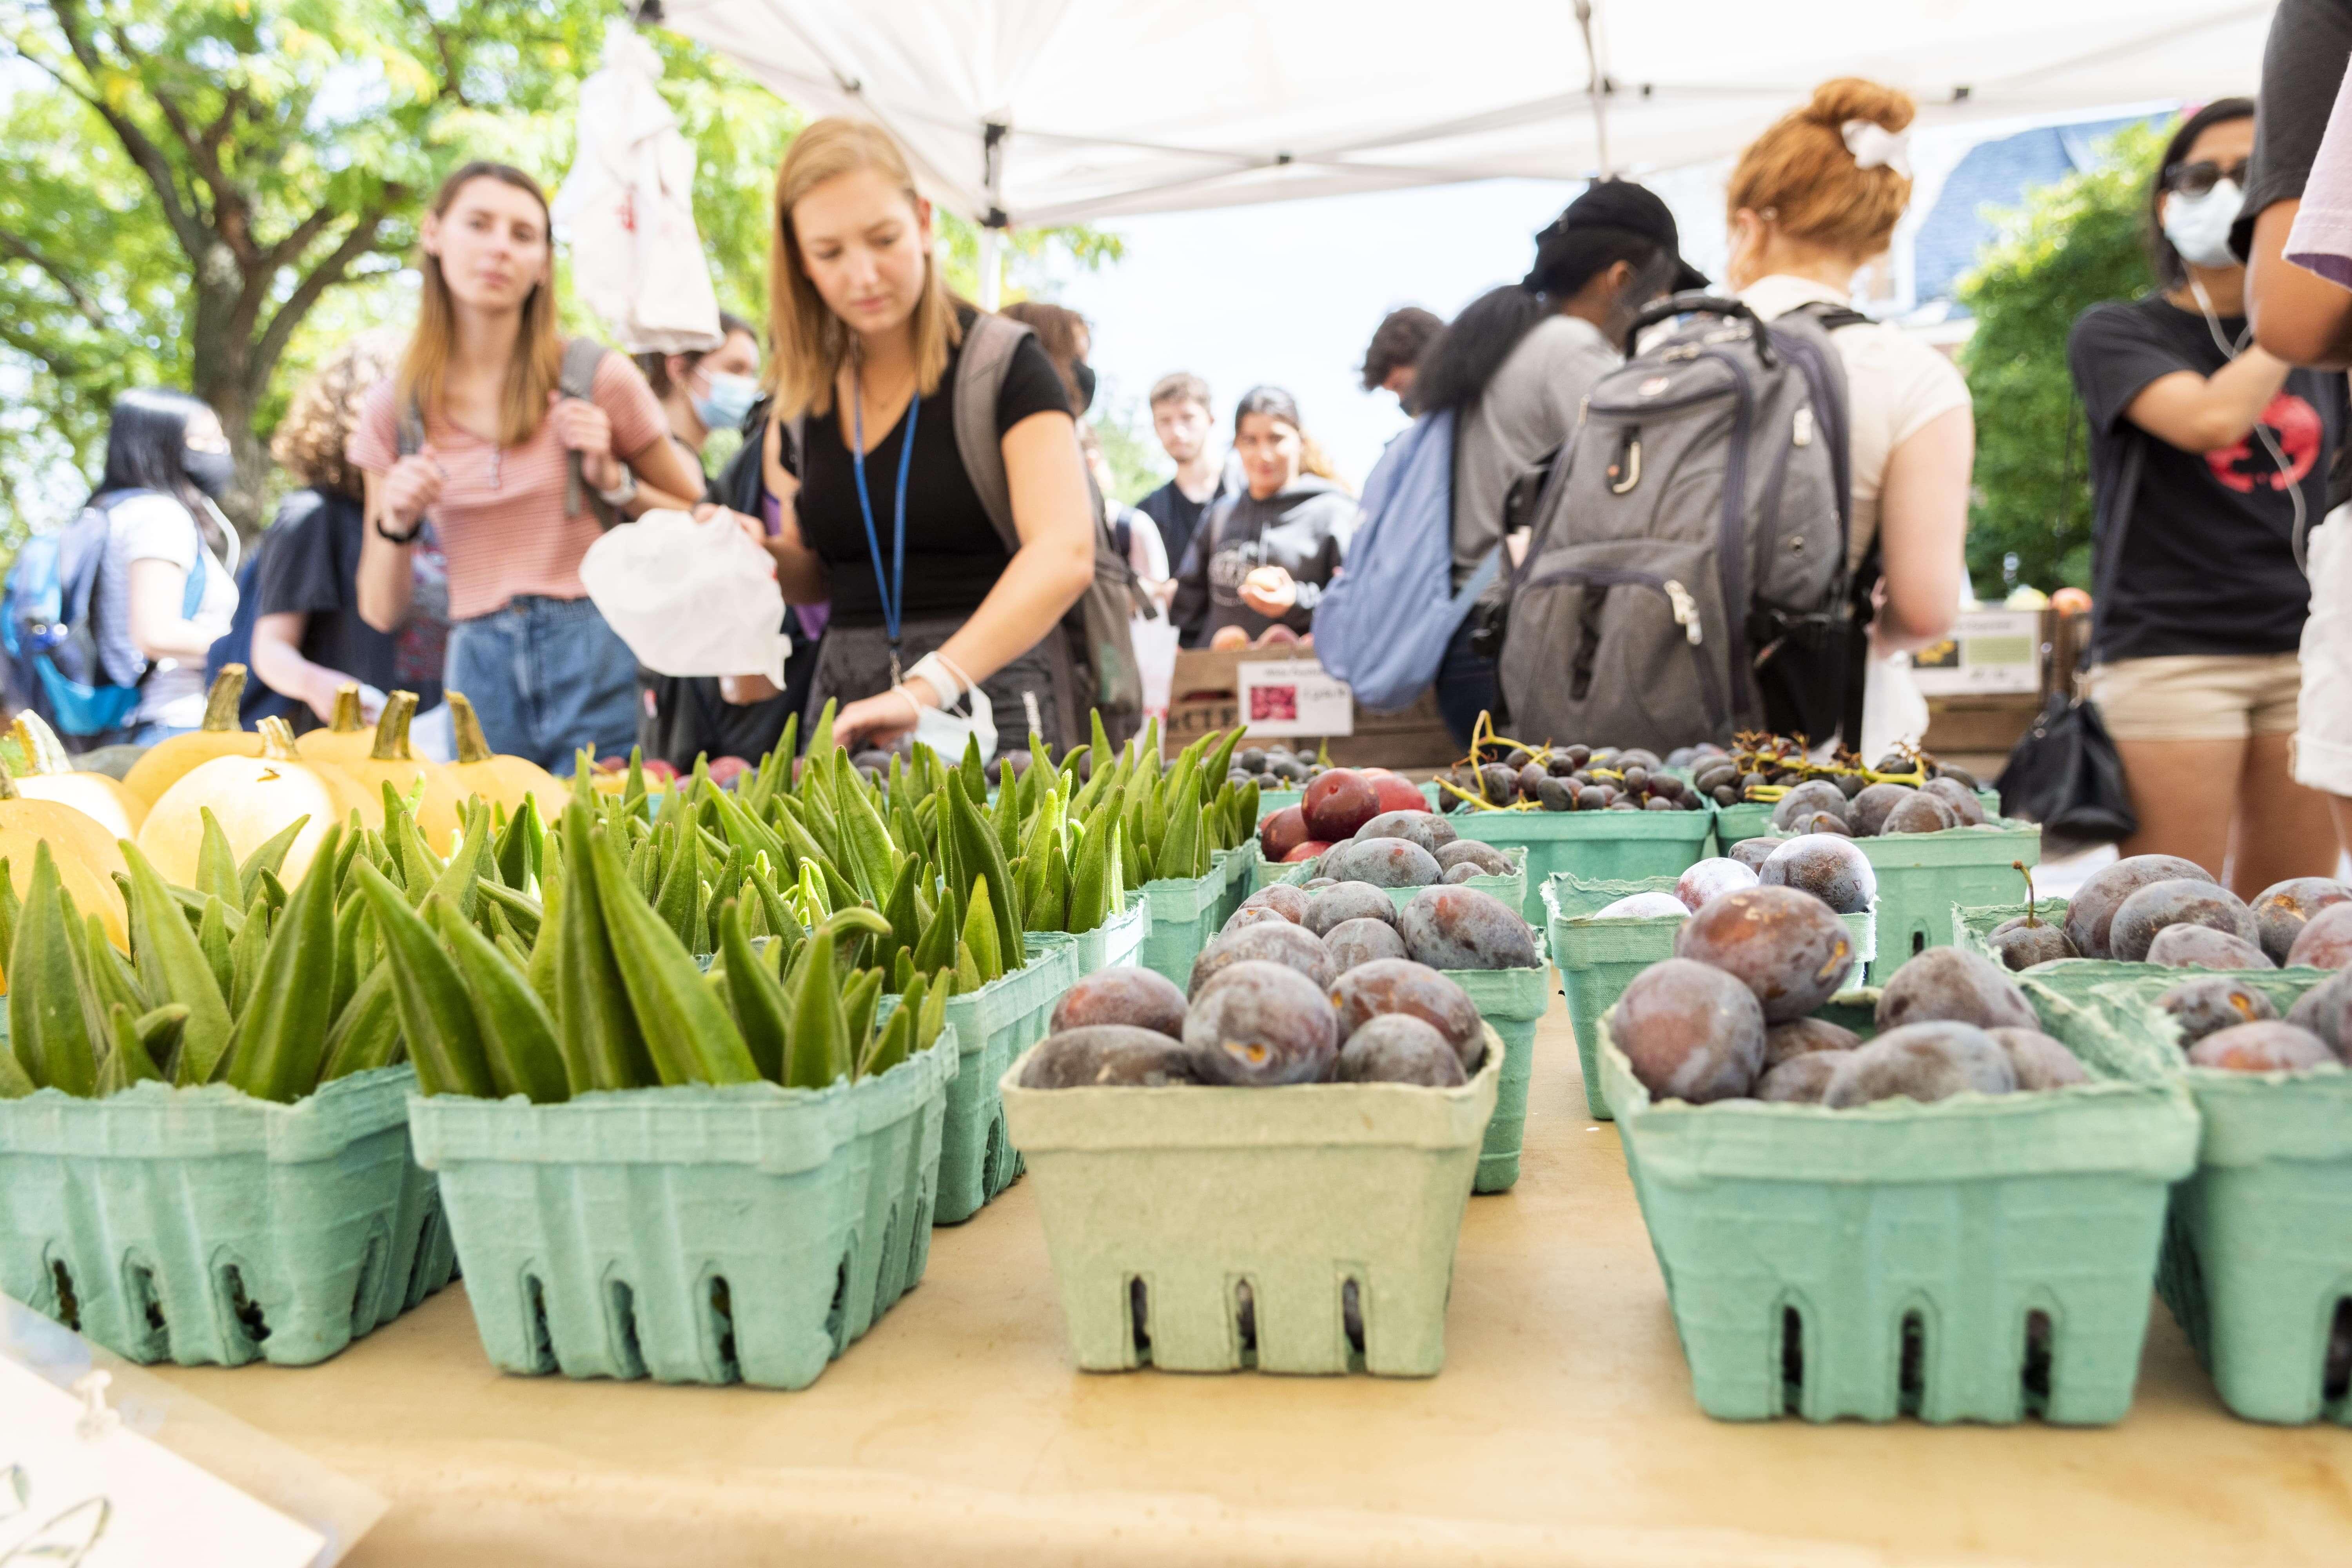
(893, 598)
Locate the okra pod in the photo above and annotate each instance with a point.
(689, 1035)
(270, 858)
(818, 1051)
(437, 1016)
(598, 1027)
(216, 860)
(517, 1036)
(857, 1002)
(753, 994)
(367, 1031)
(284, 1039)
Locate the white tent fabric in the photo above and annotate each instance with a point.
(1048, 111)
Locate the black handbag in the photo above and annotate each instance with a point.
(2065, 772)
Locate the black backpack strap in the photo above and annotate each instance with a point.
(578, 379)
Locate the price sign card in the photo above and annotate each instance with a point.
(1293, 697)
(80, 1491)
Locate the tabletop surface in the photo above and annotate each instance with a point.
(1561, 1431)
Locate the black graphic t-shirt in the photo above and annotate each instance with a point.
(2207, 559)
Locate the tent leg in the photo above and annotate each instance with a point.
(991, 267)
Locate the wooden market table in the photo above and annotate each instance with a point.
(1562, 1431)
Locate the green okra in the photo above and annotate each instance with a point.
(9, 909)
(681, 871)
(818, 1052)
(689, 1035)
(521, 910)
(436, 1016)
(518, 1035)
(967, 977)
(268, 858)
(1180, 843)
(858, 1003)
(355, 950)
(468, 863)
(247, 952)
(897, 1039)
(105, 980)
(521, 846)
(987, 857)
(753, 994)
(47, 1028)
(367, 1031)
(281, 1036)
(215, 938)
(14, 1083)
(902, 970)
(980, 933)
(598, 1028)
(216, 861)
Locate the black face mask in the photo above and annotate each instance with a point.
(1084, 375)
(212, 472)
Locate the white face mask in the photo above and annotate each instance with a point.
(2198, 226)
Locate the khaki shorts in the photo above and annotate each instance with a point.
(2323, 744)
(2198, 697)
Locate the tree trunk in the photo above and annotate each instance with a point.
(221, 372)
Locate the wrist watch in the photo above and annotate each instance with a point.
(625, 492)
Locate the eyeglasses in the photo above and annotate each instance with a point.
(2196, 179)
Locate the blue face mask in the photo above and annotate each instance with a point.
(725, 400)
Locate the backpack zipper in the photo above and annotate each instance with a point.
(1679, 603)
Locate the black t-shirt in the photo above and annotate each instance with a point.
(2207, 562)
(2303, 65)
(310, 565)
(1178, 516)
(953, 553)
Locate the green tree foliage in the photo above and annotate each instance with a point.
(1137, 465)
(212, 193)
(2073, 244)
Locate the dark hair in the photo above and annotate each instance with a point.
(2162, 260)
(1398, 342)
(146, 447)
(1275, 403)
(654, 365)
(1059, 329)
(1456, 369)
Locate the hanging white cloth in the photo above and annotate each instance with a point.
(628, 207)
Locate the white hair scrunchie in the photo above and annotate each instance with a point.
(1875, 147)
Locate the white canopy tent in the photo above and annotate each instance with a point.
(1031, 113)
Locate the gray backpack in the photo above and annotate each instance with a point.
(1685, 577)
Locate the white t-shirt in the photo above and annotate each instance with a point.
(1895, 386)
(154, 527)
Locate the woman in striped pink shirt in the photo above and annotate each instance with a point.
(482, 377)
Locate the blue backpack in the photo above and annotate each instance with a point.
(1383, 621)
(56, 664)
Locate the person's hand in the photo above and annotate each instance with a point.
(740, 689)
(1270, 590)
(412, 485)
(583, 428)
(883, 719)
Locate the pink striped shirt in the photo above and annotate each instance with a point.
(500, 515)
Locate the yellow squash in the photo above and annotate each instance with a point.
(167, 761)
(497, 778)
(347, 738)
(438, 803)
(254, 798)
(87, 857)
(50, 775)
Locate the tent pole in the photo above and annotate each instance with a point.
(1597, 86)
(992, 221)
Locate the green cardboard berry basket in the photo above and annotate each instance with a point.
(1187, 910)
(1512, 1002)
(201, 1225)
(1510, 888)
(1599, 958)
(694, 1234)
(2074, 979)
(2257, 1264)
(992, 1025)
(1270, 801)
(1118, 941)
(1615, 845)
(1981, 1258)
(1921, 875)
(1161, 1203)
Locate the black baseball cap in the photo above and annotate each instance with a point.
(1620, 204)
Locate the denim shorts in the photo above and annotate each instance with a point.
(547, 676)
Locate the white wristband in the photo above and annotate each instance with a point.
(945, 679)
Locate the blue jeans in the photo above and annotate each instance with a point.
(1465, 686)
(547, 676)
